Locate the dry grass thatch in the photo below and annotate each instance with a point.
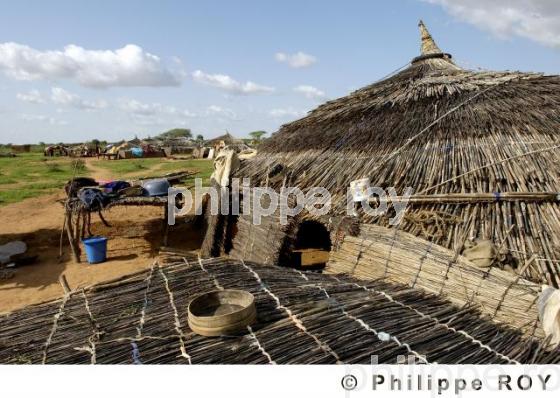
(441, 130)
(302, 318)
(397, 256)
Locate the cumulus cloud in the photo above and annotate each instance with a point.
(147, 109)
(42, 118)
(62, 97)
(226, 83)
(127, 66)
(222, 112)
(297, 60)
(154, 113)
(538, 20)
(32, 96)
(310, 92)
(282, 113)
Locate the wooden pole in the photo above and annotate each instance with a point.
(71, 239)
(475, 197)
(64, 283)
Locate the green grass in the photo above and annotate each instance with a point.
(31, 174)
(126, 168)
(204, 168)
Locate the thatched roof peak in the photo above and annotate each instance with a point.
(430, 52)
(427, 44)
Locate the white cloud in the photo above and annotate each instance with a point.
(42, 118)
(151, 114)
(32, 96)
(538, 20)
(60, 96)
(282, 113)
(139, 108)
(188, 113)
(219, 111)
(310, 92)
(297, 60)
(229, 84)
(126, 66)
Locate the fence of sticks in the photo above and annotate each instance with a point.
(303, 318)
(397, 256)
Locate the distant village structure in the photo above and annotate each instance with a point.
(146, 148)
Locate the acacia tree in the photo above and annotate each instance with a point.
(257, 135)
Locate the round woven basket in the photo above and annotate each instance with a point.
(222, 312)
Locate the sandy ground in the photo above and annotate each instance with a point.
(134, 238)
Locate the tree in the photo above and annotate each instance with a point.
(200, 138)
(257, 135)
(176, 133)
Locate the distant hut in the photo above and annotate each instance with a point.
(222, 141)
(479, 148)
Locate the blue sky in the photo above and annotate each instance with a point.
(76, 70)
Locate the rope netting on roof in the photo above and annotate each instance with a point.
(302, 318)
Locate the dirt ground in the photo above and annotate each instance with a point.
(134, 238)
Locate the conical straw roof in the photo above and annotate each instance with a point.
(427, 44)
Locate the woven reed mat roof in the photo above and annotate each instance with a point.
(302, 318)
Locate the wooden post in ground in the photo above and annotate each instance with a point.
(64, 283)
(71, 239)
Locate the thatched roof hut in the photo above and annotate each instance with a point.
(224, 140)
(302, 318)
(480, 147)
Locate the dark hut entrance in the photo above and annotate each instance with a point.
(308, 248)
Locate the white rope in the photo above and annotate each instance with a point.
(379, 334)
(298, 323)
(176, 317)
(216, 283)
(437, 321)
(54, 326)
(140, 327)
(95, 336)
(259, 346)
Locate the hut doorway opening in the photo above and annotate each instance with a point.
(309, 247)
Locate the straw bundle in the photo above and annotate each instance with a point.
(400, 257)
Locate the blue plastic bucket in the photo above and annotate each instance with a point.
(96, 249)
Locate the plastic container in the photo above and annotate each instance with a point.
(222, 312)
(96, 249)
(156, 187)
